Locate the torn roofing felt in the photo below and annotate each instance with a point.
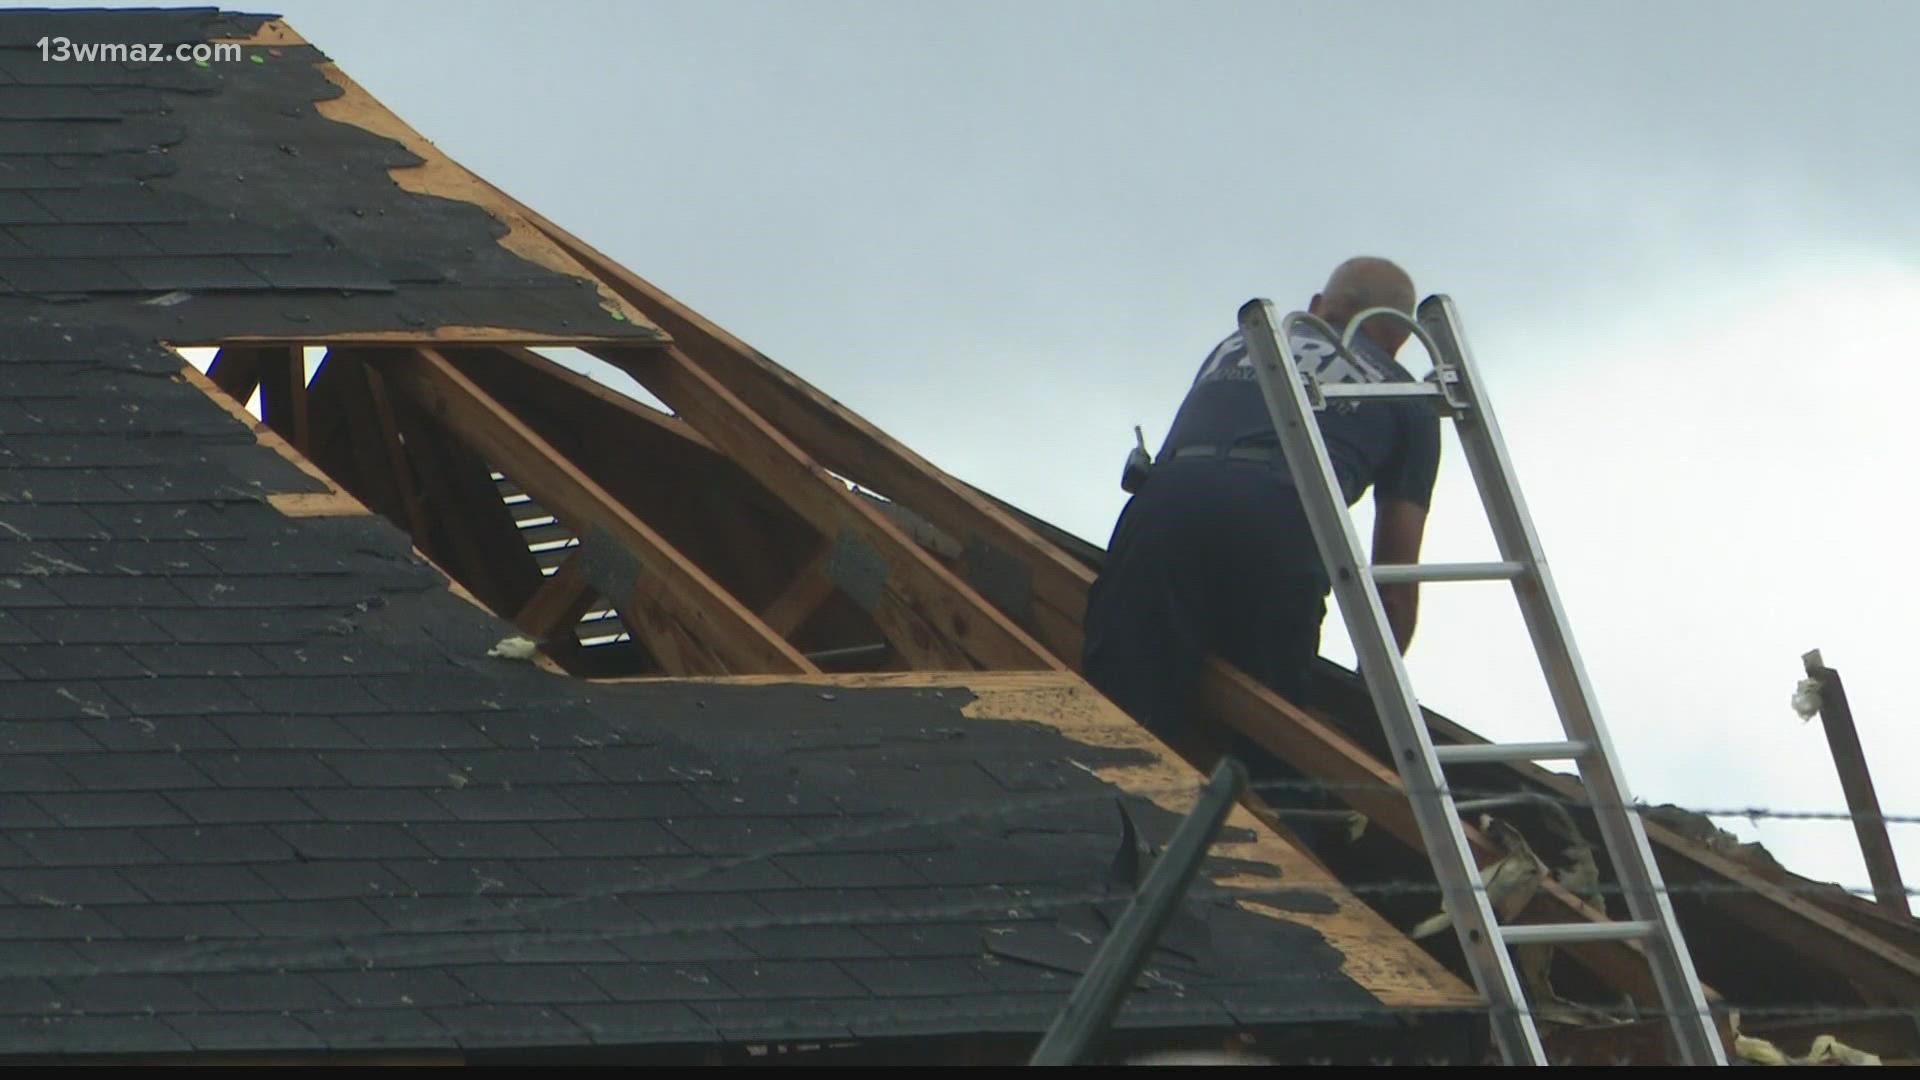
(264, 791)
(206, 201)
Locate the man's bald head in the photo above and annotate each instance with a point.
(1367, 282)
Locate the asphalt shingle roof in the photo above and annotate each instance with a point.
(260, 786)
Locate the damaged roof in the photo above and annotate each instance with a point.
(266, 791)
(235, 197)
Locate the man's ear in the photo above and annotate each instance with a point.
(1313, 305)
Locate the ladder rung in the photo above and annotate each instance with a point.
(1396, 573)
(1485, 753)
(1575, 933)
(1382, 391)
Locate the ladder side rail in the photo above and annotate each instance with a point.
(1340, 548)
(1572, 692)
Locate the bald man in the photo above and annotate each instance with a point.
(1214, 554)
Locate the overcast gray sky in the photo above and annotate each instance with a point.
(1682, 237)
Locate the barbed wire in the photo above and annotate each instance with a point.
(398, 942)
(1534, 795)
(980, 812)
(842, 1016)
(383, 951)
(322, 950)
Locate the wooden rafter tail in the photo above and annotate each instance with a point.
(236, 370)
(925, 611)
(1366, 785)
(842, 441)
(729, 635)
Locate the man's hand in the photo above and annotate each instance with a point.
(1399, 527)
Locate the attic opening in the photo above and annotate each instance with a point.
(555, 488)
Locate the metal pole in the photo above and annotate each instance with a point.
(1097, 999)
(1850, 760)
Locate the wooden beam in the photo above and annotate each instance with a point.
(735, 638)
(924, 611)
(473, 532)
(413, 507)
(835, 437)
(236, 370)
(283, 393)
(1850, 760)
(803, 595)
(584, 386)
(555, 606)
(666, 638)
(552, 615)
(344, 436)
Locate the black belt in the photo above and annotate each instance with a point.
(1235, 453)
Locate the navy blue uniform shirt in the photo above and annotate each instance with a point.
(1393, 446)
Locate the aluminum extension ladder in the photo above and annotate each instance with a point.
(1455, 391)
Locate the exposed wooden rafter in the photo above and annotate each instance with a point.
(803, 595)
(579, 386)
(691, 625)
(925, 612)
(740, 533)
(843, 442)
(283, 393)
(386, 427)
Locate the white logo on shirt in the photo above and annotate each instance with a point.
(1311, 354)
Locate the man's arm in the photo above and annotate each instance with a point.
(1399, 526)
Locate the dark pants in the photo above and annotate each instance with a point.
(1209, 558)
